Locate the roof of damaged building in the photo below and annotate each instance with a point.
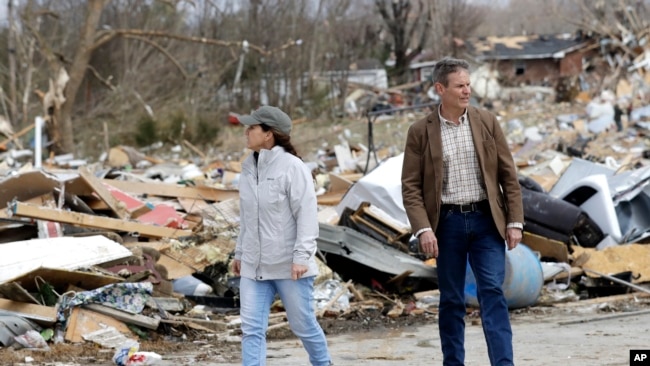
(525, 46)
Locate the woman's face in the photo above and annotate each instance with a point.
(257, 138)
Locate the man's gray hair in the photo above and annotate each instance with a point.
(446, 66)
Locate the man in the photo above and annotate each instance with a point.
(462, 198)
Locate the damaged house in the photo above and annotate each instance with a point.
(533, 59)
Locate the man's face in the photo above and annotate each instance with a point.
(457, 92)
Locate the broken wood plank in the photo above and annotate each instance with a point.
(84, 220)
(212, 324)
(118, 208)
(173, 190)
(137, 319)
(546, 247)
(61, 278)
(133, 206)
(3, 144)
(175, 269)
(84, 321)
(193, 206)
(170, 304)
(422, 294)
(330, 198)
(41, 314)
(14, 291)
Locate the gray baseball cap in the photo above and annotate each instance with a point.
(271, 116)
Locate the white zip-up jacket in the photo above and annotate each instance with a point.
(278, 216)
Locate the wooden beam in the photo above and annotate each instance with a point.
(174, 190)
(137, 319)
(3, 144)
(103, 193)
(39, 313)
(84, 220)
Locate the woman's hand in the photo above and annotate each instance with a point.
(298, 270)
(236, 266)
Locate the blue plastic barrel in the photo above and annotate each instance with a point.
(523, 281)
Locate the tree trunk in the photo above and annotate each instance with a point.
(78, 70)
(11, 45)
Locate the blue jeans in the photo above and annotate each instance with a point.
(472, 237)
(256, 298)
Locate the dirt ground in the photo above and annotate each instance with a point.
(579, 333)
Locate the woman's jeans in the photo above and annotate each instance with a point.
(256, 298)
(473, 236)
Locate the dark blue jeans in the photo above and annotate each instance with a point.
(472, 237)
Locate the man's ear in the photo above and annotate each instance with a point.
(439, 88)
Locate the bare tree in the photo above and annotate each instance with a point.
(624, 22)
(408, 27)
(11, 45)
(91, 38)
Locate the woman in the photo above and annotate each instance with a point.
(277, 242)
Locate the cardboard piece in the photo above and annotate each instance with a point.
(617, 259)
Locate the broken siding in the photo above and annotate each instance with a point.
(571, 64)
(528, 71)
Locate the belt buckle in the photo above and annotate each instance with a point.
(470, 208)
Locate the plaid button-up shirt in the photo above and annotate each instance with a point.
(463, 181)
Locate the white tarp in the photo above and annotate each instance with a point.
(382, 187)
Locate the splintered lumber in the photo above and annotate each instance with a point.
(3, 144)
(103, 193)
(84, 220)
(173, 190)
(213, 325)
(137, 319)
(60, 278)
(38, 313)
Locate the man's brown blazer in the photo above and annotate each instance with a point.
(422, 172)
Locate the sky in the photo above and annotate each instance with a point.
(3, 13)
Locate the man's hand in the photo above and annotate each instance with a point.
(513, 237)
(298, 270)
(236, 266)
(429, 244)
